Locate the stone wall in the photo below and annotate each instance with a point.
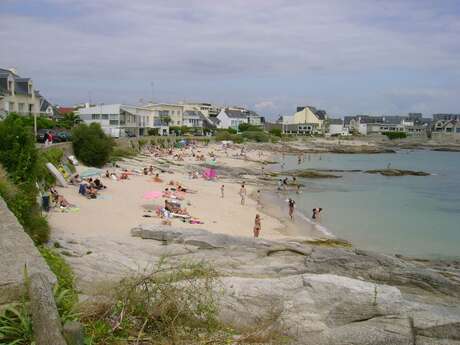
(17, 253)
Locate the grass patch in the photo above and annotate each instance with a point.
(65, 295)
(119, 153)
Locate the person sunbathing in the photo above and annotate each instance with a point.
(157, 178)
(75, 179)
(98, 184)
(58, 199)
(124, 175)
(151, 170)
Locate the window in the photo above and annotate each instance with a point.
(30, 89)
(21, 107)
(113, 116)
(105, 116)
(95, 116)
(458, 129)
(113, 122)
(11, 106)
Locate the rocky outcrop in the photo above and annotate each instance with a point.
(397, 172)
(309, 173)
(314, 294)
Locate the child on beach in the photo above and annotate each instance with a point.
(243, 194)
(222, 191)
(257, 226)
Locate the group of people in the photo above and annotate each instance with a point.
(90, 187)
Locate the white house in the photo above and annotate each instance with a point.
(336, 127)
(120, 119)
(233, 117)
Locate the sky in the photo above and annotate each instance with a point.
(345, 56)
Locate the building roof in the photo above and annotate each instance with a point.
(240, 114)
(335, 121)
(65, 110)
(320, 114)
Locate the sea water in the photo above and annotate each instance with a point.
(409, 215)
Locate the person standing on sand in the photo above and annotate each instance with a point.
(291, 208)
(243, 194)
(222, 188)
(258, 198)
(257, 226)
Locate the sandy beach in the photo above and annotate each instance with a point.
(122, 206)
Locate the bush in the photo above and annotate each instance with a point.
(21, 160)
(395, 135)
(153, 131)
(276, 132)
(246, 127)
(224, 135)
(257, 136)
(18, 153)
(91, 145)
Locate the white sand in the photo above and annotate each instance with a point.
(121, 206)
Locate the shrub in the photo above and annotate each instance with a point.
(52, 155)
(257, 136)
(276, 132)
(395, 135)
(246, 127)
(91, 145)
(18, 153)
(174, 305)
(22, 201)
(21, 160)
(224, 135)
(153, 131)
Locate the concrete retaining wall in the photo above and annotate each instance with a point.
(17, 251)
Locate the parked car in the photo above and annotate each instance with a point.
(63, 136)
(41, 135)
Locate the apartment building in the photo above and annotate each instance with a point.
(120, 120)
(171, 114)
(17, 94)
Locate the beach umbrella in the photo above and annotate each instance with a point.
(91, 172)
(153, 195)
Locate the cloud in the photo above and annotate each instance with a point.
(215, 49)
(265, 105)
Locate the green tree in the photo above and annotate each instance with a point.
(91, 145)
(69, 120)
(17, 149)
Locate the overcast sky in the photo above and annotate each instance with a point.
(344, 56)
